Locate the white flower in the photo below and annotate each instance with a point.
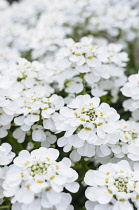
(36, 204)
(39, 175)
(114, 17)
(30, 146)
(32, 110)
(128, 141)
(38, 134)
(85, 56)
(4, 118)
(99, 66)
(6, 155)
(3, 4)
(50, 139)
(3, 172)
(74, 86)
(112, 186)
(92, 124)
(131, 89)
(3, 130)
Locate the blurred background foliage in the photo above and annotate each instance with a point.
(11, 1)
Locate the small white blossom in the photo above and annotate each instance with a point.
(50, 139)
(74, 86)
(131, 89)
(6, 155)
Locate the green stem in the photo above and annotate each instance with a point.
(4, 207)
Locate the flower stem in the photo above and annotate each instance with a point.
(4, 207)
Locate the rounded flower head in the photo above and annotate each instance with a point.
(98, 65)
(113, 186)
(128, 143)
(39, 176)
(34, 109)
(85, 56)
(24, 89)
(87, 121)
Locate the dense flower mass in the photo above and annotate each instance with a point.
(100, 66)
(69, 105)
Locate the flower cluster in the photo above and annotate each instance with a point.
(99, 66)
(114, 19)
(113, 186)
(87, 124)
(41, 179)
(26, 99)
(125, 148)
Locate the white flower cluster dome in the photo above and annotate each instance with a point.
(127, 145)
(90, 63)
(87, 124)
(37, 180)
(113, 187)
(85, 56)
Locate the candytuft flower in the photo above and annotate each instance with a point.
(112, 186)
(39, 176)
